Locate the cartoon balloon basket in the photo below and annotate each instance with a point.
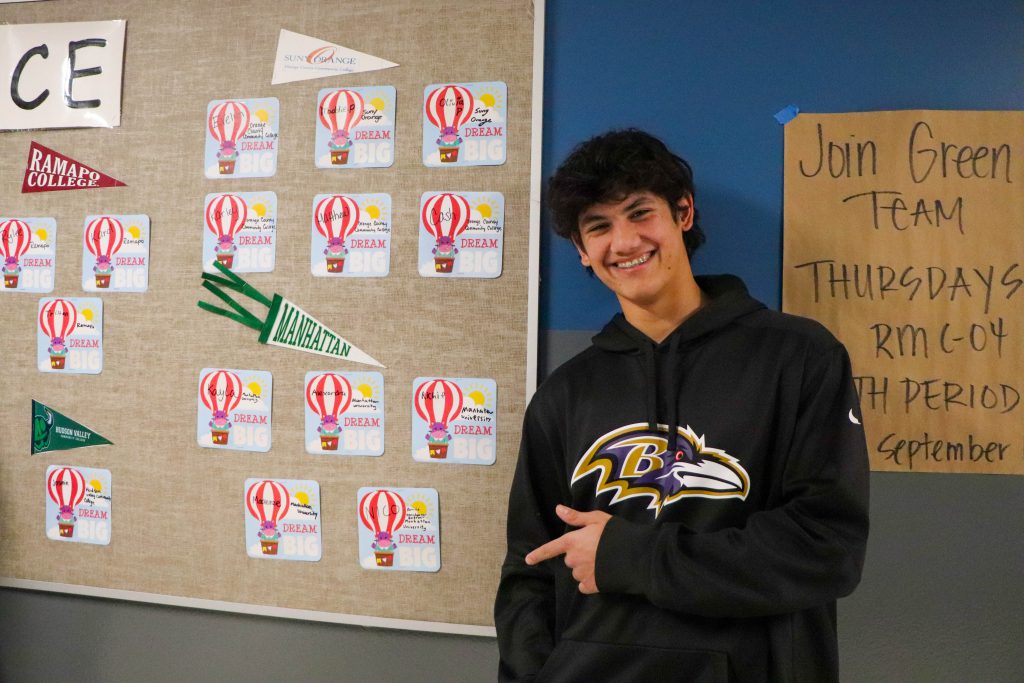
(339, 157)
(328, 443)
(444, 264)
(10, 280)
(57, 362)
(268, 547)
(384, 559)
(439, 451)
(67, 529)
(227, 259)
(335, 265)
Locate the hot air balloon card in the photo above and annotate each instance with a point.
(28, 247)
(234, 409)
(355, 127)
(69, 335)
(399, 529)
(282, 519)
(454, 420)
(351, 235)
(78, 506)
(461, 234)
(242, 138)
(115, 253)
(241, 231)
(464, 124)
(344, 413)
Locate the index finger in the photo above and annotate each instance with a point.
(547, 551)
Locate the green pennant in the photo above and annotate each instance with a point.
(284, 325)
(52, 431)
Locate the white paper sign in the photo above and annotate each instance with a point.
(61, 75)
(301, 57)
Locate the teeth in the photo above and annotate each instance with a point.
(635, 262)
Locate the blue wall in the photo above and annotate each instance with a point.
(707, 77)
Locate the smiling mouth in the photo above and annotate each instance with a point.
(638, 261)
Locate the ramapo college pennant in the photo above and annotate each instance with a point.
(51, 171)
(52, 431)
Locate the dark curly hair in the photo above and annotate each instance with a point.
(611, 166)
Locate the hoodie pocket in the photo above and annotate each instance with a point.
(575, 661)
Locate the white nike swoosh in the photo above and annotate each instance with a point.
(853, 418)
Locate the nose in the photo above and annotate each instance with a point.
(625, 237)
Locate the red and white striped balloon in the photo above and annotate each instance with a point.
(104, 236)
(66, 486)
(58, 318)
(228, 121)
(267, 501)
(15, 238)
(445, 214)
(329, 394)
(341, 110)
(336, 216)
(226, 215)
(449, 106)
(220, 390)
(382, 510)
(438, 400)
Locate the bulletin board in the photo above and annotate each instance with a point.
(177, 510)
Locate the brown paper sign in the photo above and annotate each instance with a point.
(904, 235)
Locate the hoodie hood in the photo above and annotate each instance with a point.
(728, 300)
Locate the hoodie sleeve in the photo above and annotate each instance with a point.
(806, 552)
(524, 610)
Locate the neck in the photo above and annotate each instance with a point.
(660, 318)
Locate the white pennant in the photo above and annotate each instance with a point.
(301, 57)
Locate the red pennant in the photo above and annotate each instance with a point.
(51, 171)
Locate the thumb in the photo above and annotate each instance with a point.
(568, 515)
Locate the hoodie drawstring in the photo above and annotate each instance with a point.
(673, 407)
(651, 396)
(649, 363)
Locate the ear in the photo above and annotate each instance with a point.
(686, 211)
(577, 242)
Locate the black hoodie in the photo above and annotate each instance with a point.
(732, 460)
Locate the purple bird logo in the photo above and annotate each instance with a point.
(633, 462)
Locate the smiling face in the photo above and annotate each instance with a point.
(635, 247)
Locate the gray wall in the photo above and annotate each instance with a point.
(940, 602)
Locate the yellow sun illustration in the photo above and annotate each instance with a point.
(255, 388)
(87, 314)
(259, 209)
(302, 497)
(480, 395)
(419, 506)
(41, 234)
(134, 231)
(378, 103)
(374, 208)
(491, 98)
(96, 485)
(262, 115)
(485, 210)
(365, 389)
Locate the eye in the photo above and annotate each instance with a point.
(639, 214)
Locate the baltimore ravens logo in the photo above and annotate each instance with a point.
(632, 462)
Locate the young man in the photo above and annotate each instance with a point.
(692, 490)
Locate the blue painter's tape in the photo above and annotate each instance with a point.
(786, 115)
